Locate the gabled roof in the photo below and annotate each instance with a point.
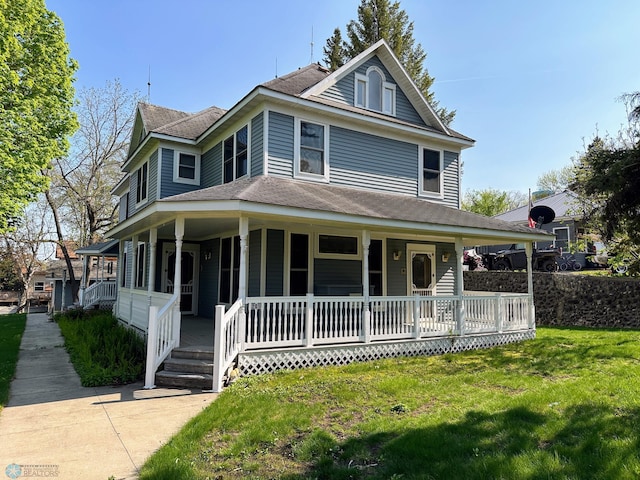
(400, 75)
(284, 192)
(110, 247)
(297, 82)
(564, 204)
(155, 116)
(192, 126)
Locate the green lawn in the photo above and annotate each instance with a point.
(563, 406)
(11, 329)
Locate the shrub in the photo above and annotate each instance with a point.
(102, 351)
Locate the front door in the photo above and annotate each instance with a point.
(421, 269)
(189, 275)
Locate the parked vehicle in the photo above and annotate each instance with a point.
(515, 258)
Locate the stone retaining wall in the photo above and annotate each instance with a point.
(569, 299)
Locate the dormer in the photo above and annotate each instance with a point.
(373, 92)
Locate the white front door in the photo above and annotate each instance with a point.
(421, 269)
(189, 275)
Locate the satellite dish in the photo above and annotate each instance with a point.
(542, 214)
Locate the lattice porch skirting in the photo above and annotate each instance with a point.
(266, 361)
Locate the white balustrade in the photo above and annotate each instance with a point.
(101, 291)
(227, 340)
(161, 338)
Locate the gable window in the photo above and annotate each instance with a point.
(373, 92)
(235, 155)
(142, 179)
(186, 168)
(312, 150)
(431, 169)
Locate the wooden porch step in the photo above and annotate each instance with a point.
(166, 378)
(189, 365)
(195, 353)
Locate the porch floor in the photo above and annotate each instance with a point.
(196, 332)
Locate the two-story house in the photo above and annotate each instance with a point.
(317, 221)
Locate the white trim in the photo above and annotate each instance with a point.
(421, 191)
(385, 85)
(234, 166)
(297, 173)
(145, 280)
(176, 167)
(555, 239)
(265, 141)
(194, 248)
(143, 201)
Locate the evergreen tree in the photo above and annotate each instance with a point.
(36, 96)
(382, 19)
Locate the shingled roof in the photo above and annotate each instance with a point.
(297, 82)
(358, 202)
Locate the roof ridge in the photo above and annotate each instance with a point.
(190, 116)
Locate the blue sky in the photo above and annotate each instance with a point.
(530, 80)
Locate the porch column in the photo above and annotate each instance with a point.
(177, 280)
(134, 261)
(119, 275)
(153, 241)
(83, 283)
(243, 229)
(132, 277)
(460, 311)
(366, 326)
(532, 312)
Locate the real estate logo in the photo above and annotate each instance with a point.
(14, 471)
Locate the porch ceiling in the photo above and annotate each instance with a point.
(271, 199)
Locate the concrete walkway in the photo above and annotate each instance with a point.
(54, 425)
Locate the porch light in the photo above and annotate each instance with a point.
(397, 254)
(445, 257)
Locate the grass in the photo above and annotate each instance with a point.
(563, 406)
(11, 330)
(102, 351)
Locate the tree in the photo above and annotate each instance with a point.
(24, 243)
(492, 202)
(36, 99)
(382, 19)
(608, 182)
(81, 182)
(557, 180)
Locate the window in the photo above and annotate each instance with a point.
(141, 265)
(229, 269)
(142, 177)
(562, 238)
(299, 264)
(123, 269)
(312, 150)
(186, 168)
(235, 155)
(38, 287)
(375, 267)
(431, 179)
(373, 92)
(336, 246)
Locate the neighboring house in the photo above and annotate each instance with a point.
(317, 221)
(567, 227)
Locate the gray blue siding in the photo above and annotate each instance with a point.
(451, 179)
(167, 185)
(257, 145)
(211, 167)
(343, 91)
(152, 184)
(255, 254)
(280, 144)
(275, 263)
(363, 160)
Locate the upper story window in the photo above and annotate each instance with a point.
(235, 155)
(186, 168)
(373, 92)
(142, 180)
(311, 161)
(431, 169)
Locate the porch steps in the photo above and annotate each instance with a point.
(188, 367)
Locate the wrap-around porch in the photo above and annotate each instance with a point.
(261, 333)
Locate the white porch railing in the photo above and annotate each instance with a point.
(227, 340)
(163, 336)
(98, 292)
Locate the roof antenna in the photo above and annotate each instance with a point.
(149, 86)
(276, 67)
(311, 59)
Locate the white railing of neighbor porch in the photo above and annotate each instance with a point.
(228, 335)
(162, 336)
(101, 291)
